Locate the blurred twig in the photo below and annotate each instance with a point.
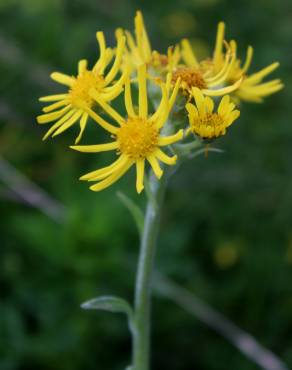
(216, 321)
(29, 192)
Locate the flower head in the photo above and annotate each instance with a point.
(204, 121)
(252, 88)
(77, 103)
(137, 138)
(139, 50)
(196, 74)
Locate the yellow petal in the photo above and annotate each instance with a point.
(165, 158)
(82, 66)
(95, 148)
(188, 54)
(101, 171)
(53, 97)
(54, 106)
(128, 99)
(200, 101)
(223, 105)
(224, 90)
(113, 113)
(219, 42)
(68, 123)
(119, 54)
(62, 78)
(49, 117)
(140, 166)
(248, 59)
(83, 122)
(112, 178)
(105, 171)
(167, 140)
(155, 166)
(143, 100)
(59, 123)
(258, 76)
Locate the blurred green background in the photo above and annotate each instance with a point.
(226, 228)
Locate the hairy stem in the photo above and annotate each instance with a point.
(141, 340)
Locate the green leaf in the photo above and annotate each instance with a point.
(109, 303)
(135, 210)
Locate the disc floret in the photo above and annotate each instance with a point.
(190, 77)
(137, 138)
(79, 95)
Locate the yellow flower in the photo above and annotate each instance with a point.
(139, 51)
(206, 123)
(77, 103)
(137, 138)
(252, 88)
(195, 74)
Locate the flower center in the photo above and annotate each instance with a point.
(210, 126)
(79, 92)
(190, 77)
(137, 138)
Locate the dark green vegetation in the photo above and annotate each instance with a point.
(227, 225)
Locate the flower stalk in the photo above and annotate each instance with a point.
(142, 308)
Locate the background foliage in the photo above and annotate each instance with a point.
(226, 230)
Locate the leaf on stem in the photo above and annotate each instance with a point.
(108, 303)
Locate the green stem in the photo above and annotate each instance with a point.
(141, 339)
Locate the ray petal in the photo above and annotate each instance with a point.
(103, 171)
(54, 106)
(119, 54)
(59, 123)
(155, 166)
(188, 54)
(95, 148)
(248, 59)
(167, 140)
(165, 158)
(223, 106)
(68, 123)
(224, 90)
(112, 178)
(200, 101)
(142, 83)
(219, 42)
(104, 124)
(116, 166)
(49, 117)
(113, 113)
(82, 66)
(258, 76)
(128, 99)
(83, 123)
(56, 97)
(140, 167)
(63, 79)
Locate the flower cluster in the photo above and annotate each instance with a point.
(188, 88)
